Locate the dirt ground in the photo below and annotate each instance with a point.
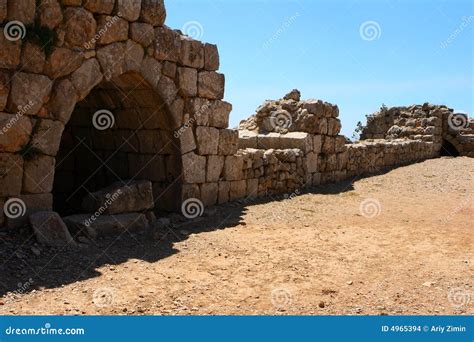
(400, 243)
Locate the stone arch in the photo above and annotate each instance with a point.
(98, 43)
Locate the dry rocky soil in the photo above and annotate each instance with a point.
(409, 251)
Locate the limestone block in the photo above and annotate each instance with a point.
(269, 141)
(111, 29)
(247, 139)
(209, 193)
(29, 92)
(187, 81)
(151, 71)
(33, 204)
(86, 77)
(11, 171)
(167, 44)
(233, 168)
(228, 142)
(79, 28)
(215, 165)
(50, 14)
(224, 192)
(23, 11)
(207, 140)
(211, 57)
(153, 12)
(186, 140)
(252, 188)
(15, 132)
(62, 62)
(329, 145)
(192, 53)
(38, 174)
(99, 6)
(194, 168)
(142, 33)
(300, 140)
(169, 69)
(176, 113)
(129, 9)
(199, 109)
(32, 58)
(317, 143)
(340, 143)
(50, 229)
(238, 189)
(167, 90)
(3, 15)
(4, 88)
(219, 112)
(311, 162)
(211, 85)
(10, 52)
(112, 60)
(47, 136)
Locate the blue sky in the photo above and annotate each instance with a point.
(413, 51)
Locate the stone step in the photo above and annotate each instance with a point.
(50, 229)
(105, 225)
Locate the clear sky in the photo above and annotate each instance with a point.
(357, 54)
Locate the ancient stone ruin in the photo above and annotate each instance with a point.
(99, 93)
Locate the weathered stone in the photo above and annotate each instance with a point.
(209, 193)
(112, 60)
(247, 139)
(317, 143)
(4, 89)
(224, 192)
(311, 162)
(106, 225)
(167, 44)
(79, 28)
(134, 54)
(211, 57)
(176, 114)
(50, 229)
(23, 11)
(10, 52)
(63, 100)
(129, 9)
(228, 142)
(50, 14)
(252, 188)
(38, 174)
(142, 33)
(33, 203)
(238, 189)
(151, 71)
(211, 85)
(215, 164)
(207, 139)
(29, 92)
(194, 168)
(62, 62)
(186, 140)
(192, 53)
(187, 82)
(15, 130)
(86, 77)
(153, 12)
(301, 140)
(120, 197)
(329, 145)
(47, 136)
(3, 15)
(100, 6)
(32, 58)
(169, 69)
(167, 90)
(219, 112)
(11, 174)
(111, 29)
(233, 168)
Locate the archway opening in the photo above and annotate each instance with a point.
(448, 149)
(119, 133)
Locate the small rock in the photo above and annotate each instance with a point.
(321, 304)
(35, 251)
(350, 282)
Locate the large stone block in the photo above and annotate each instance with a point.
(329, 145)
(62, 62)
(100, 6)
(194, 168)
(199, 109)
(29, 92)
(142, 33)
(187, 81)
(10, 52)
(252, 188)
(50, 229)
(86, 77)
(167, 44)
(47, 136)
(3, 13)
(167, 90)
(11, 174)
(192, 53)
(32, 58)
(15, 132)
(112, 60)
(33, 203)
(79, 28)
(209, 193)
(247, 139)
(23, 11)
(50, 14)
(300, 140)
(219, 112)
(311, 162)
(224, 192)
(233, 168)
(4, 88)
(228, 142)
(211, 57)
(120, 197)
(207, 140)
(153, 12)
(317, 144)
(63, 100)
(215, 164)
(211, 85)
(38, 175)
(129, 9)
(187, 142)
(111, 29)
(151, 71)
(238, 189)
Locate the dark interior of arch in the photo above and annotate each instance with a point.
(139, 145)
(448, 149)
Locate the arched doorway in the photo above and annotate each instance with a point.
(118, 133)
(448, 149)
